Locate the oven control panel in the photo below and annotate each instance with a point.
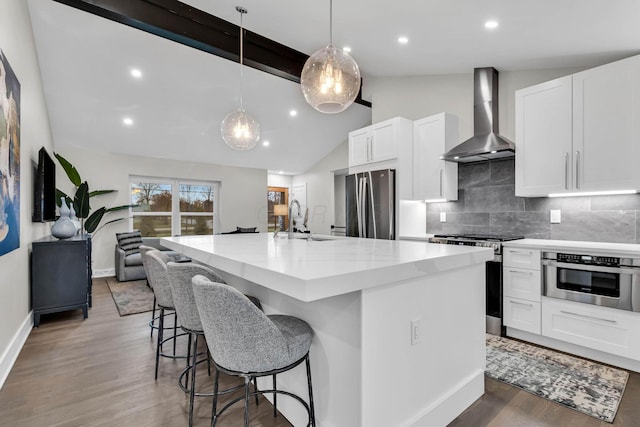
(589, 259)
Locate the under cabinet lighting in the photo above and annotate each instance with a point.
(594, 193)
(435, 200)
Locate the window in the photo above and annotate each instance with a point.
(277, 205)
(171, 207)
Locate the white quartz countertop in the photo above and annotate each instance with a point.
(576, 246)
(314, 270)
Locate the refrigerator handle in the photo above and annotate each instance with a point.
(373, 207)
(358, 208)
(363, 204)
(392, 207)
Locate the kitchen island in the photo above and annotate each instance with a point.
(399, 326)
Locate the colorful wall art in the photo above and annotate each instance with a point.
(9, 158)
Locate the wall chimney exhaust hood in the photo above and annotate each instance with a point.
(486, 143)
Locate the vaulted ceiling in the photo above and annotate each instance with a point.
(184, 93)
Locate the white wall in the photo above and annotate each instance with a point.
(16, 41)
(243, 191)
(422, 96)
(320, 186)
(277, 180)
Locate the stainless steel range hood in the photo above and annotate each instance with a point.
(486, 143)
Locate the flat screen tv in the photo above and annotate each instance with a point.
(44, 206)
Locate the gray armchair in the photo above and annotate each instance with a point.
(130, 267)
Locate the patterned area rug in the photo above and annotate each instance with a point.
(579, 384)
(131, 297)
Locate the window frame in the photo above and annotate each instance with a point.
(176, 214)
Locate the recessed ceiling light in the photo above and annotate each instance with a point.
(136, 73)
(491, 25)
(265, 143)
(293, 113)
(127, 121)
(346, 49)
(403, 40)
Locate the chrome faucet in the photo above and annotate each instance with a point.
(291, 216)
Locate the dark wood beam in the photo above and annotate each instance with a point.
(192, 27)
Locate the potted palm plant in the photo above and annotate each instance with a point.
(81, 200)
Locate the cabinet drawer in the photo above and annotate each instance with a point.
(522, 283)
(599, 328)
(521, 258)
(522, 314)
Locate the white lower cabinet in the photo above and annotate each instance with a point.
(521, 314)
(521, 283)
(609, 330)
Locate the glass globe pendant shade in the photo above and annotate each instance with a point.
(240, 131)
(330, 80)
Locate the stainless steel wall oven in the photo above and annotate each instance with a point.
(592, 279)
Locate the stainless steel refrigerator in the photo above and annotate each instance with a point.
(371, 204)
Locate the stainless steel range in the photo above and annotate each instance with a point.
(493, 270)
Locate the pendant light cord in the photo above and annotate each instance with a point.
(330, 22)
(241, 57)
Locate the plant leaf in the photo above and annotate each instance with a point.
(71, 171)
(81, 201)
(100, 192)
(107, 223)
(120, 208)
(92, 222)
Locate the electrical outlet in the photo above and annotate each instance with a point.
(555, 216)
(443, 217)
(416, 331)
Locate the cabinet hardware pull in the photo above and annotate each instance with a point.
(441, 184)
(530, 273)
(566, 171)
(520, 303)
(577, 169)
(588, 317)
(513, 251)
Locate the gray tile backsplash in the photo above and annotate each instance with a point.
(487, 204)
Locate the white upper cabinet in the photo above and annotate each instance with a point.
(433, 178)
(543, 138)
(606, 126)
(378, 142)
(580, 132)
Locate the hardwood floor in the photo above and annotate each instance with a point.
(99, 372)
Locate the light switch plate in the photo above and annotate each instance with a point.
(443, 217)
(555, 216)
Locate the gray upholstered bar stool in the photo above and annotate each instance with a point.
(180, 275)
(245, 342)
(158, 278)
(143, 250)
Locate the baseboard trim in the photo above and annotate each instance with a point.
(10, 355)
(453, 403)
(107, 272)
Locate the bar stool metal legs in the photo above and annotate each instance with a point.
(248, 377)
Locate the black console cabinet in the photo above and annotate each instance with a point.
(60, 275)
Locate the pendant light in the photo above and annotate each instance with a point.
(330, 79)
(239, 130)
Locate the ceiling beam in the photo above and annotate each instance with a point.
(179, 22)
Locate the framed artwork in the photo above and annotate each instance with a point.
(9, 158)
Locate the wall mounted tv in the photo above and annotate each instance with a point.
(44, 204)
